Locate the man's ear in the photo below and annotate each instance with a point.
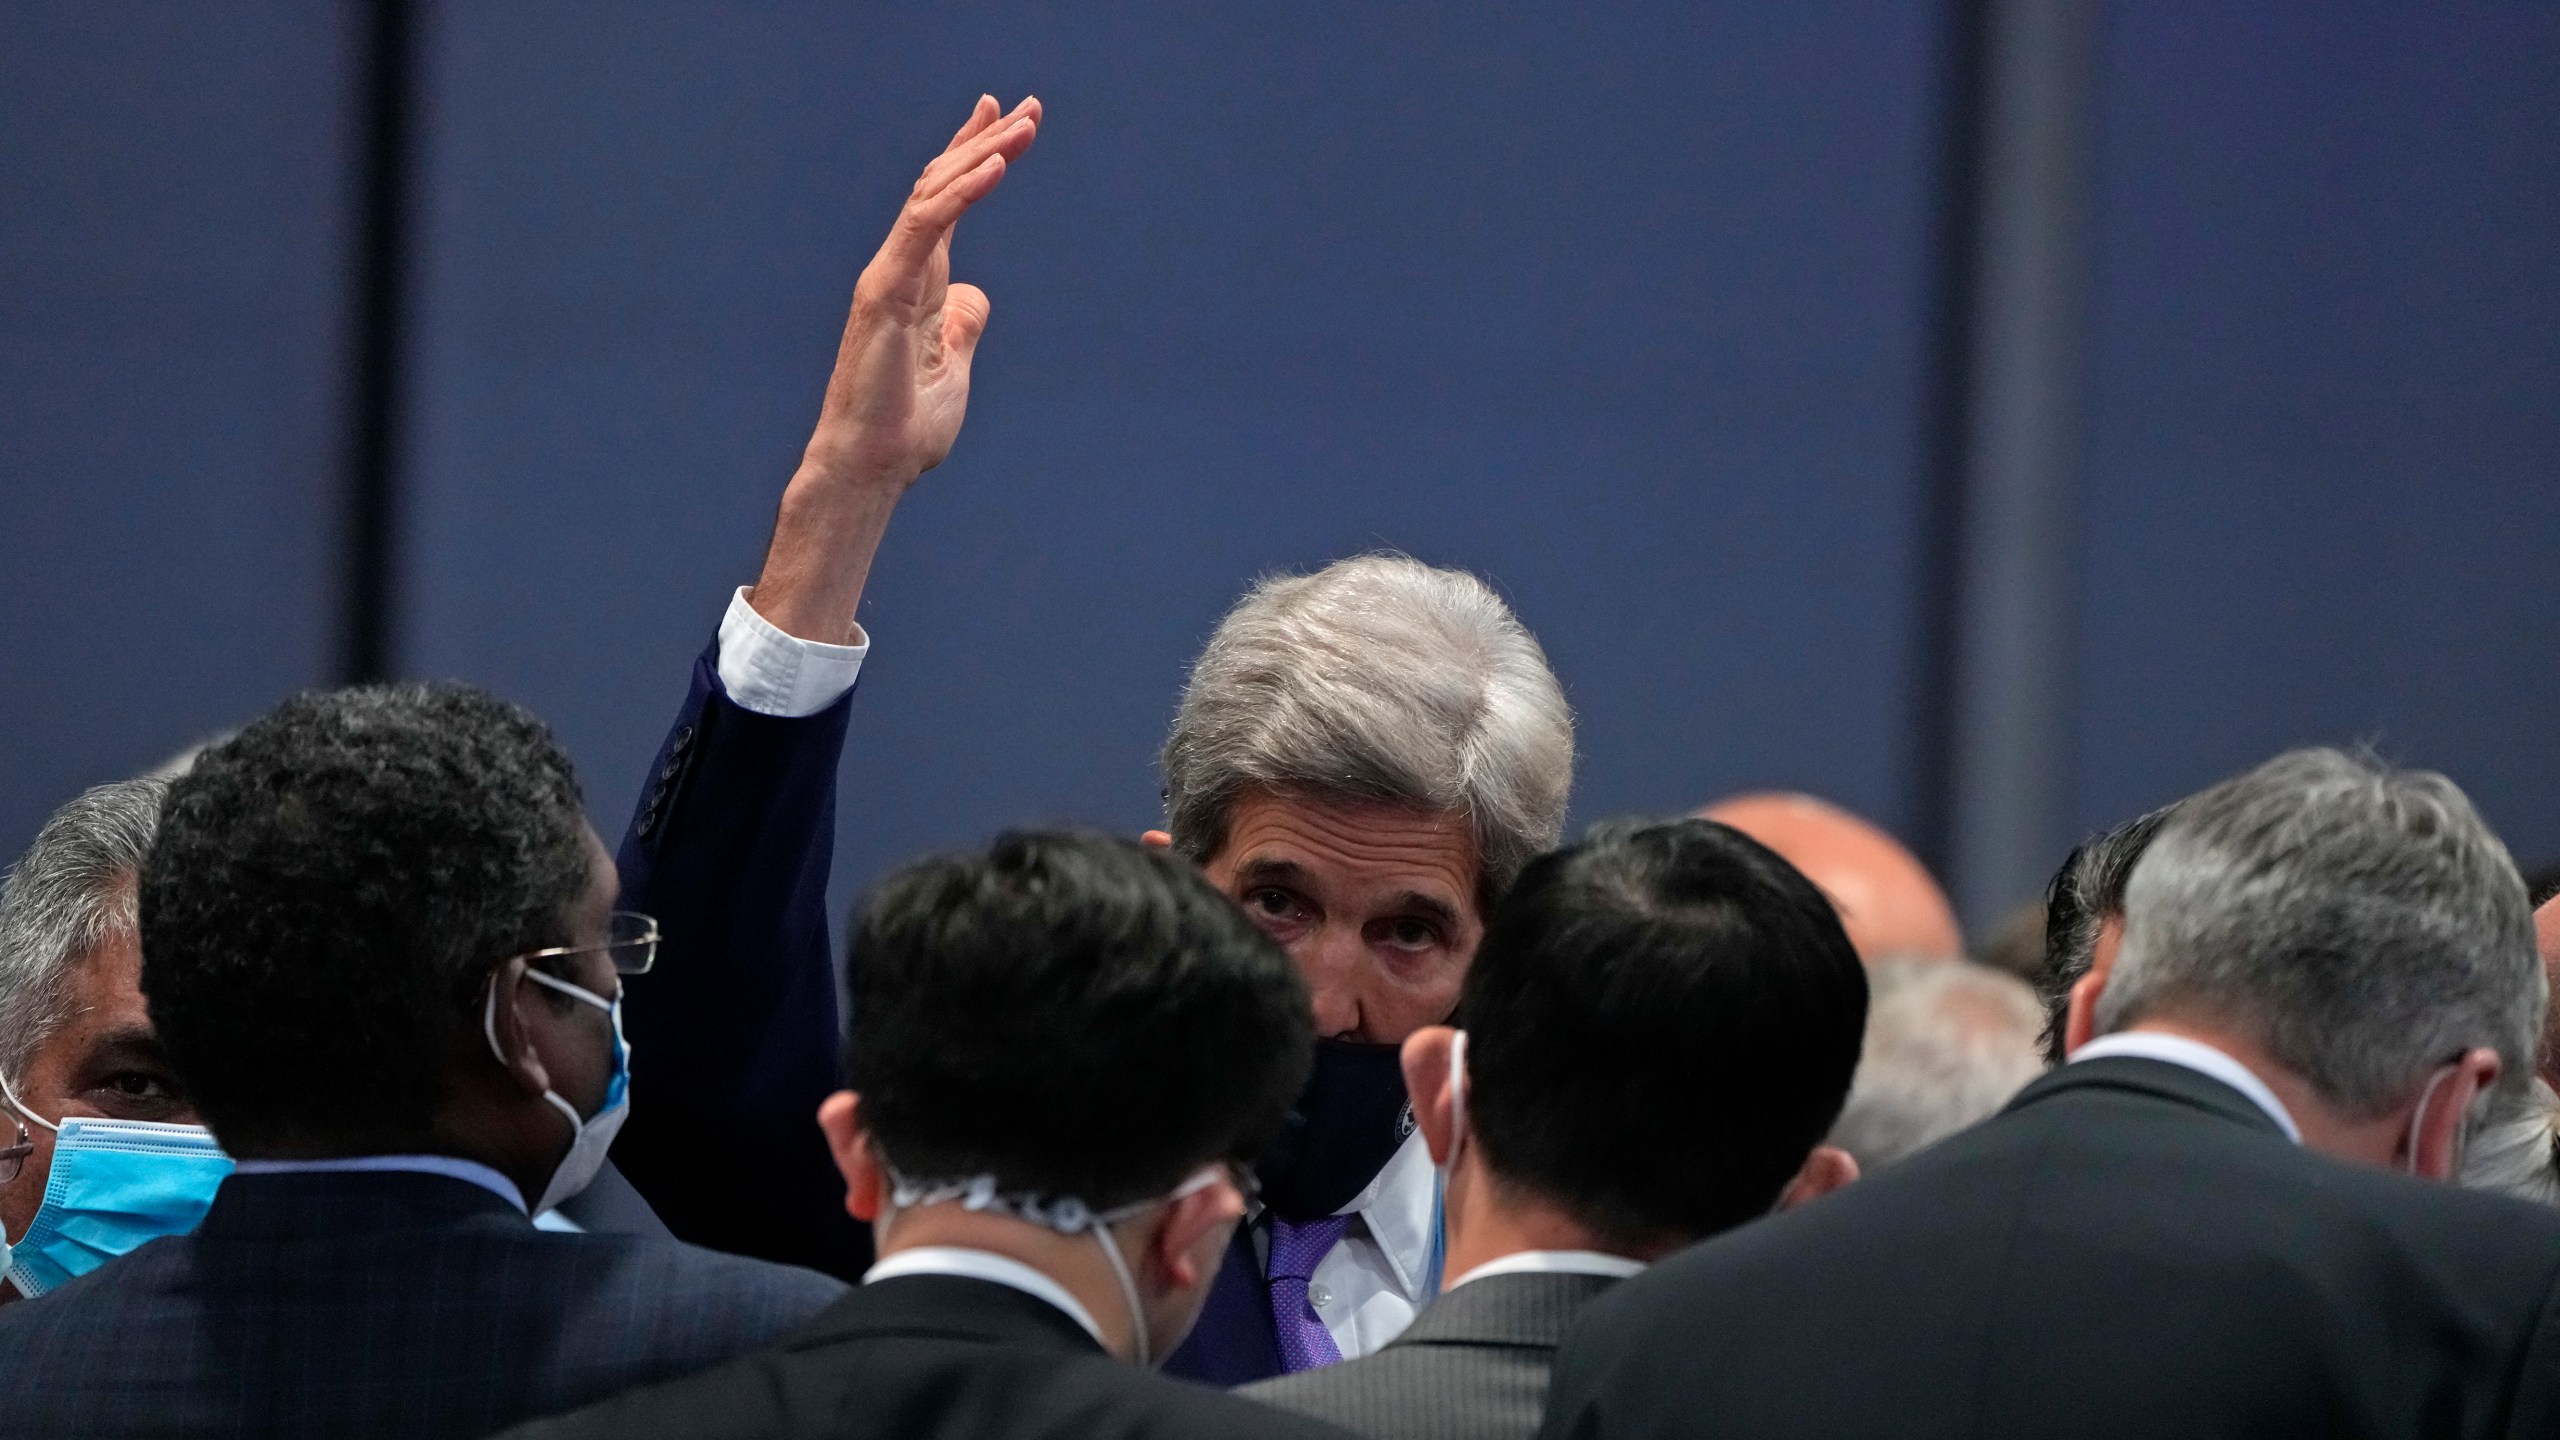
(2080, 1018)
(1190, 1222)
(513, 1036)
(1827, 1169)
(1156, 840)
(1427, 1075)
(2440, 1130)
(840, 1116)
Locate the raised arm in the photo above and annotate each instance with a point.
(735, 1034)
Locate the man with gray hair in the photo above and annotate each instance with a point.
(1364, 757)
(1948, 1043)
(79, 1061)
(2194, 1227)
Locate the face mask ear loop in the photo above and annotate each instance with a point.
(1457, 1095)
(20, 1106)
(1128, 1290)
(2418, 1118)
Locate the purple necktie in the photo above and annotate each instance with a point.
(1295, 1251)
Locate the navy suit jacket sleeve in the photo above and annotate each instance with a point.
(734, 1033)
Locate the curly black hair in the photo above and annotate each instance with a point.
(328, 893)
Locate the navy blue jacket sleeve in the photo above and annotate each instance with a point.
(734, 1034)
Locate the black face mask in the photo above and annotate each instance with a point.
(1344, 1129)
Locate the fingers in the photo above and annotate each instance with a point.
(1009, 137)
(981, 115)
(926, 223)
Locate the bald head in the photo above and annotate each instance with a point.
(1887, 901)
(2546, 934)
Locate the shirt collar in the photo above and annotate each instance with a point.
(969, 1264)
(1553, 1262)
(2197, 1056)
(450, 1166)
(1400, 1209)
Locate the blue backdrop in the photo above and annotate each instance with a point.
(1625, 307)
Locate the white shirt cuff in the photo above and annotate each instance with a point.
(772, 673)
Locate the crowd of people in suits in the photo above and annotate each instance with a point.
(349, 1085)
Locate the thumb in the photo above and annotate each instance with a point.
(964, 319)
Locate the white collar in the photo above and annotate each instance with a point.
(1552, 1262)
(969, 1264)
(452, 1167)
(1400, 1207)
(2197, 1056)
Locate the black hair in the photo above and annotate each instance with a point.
(1662, 1023)
(1072, 1014)
(2087, 890)
(329, 892)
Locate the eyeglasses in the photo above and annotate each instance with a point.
(13, 1158)
(632, 942)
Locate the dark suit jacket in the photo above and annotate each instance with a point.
(375, 1305)
(734, 1033)
(924, 1356)
(1472, 1367)
(2130, 1249)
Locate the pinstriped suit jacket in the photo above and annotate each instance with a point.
(1472, 1367)
(388, 1306)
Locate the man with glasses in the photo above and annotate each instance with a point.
(1065, 1053)
(380, 948)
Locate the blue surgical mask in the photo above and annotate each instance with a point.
(114, 1184)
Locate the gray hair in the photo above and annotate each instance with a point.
(72, 892)
(1948, 1043)
(2360, 923)
(2516, 1149)
(1377, 678)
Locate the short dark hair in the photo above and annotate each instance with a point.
(2083, 894)
(1662, 1023)
(328, 893)
(1072, 1014)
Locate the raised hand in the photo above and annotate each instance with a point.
(899, 392)
(901, 383)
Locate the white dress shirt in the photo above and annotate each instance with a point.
(1378, 1276)
(2197, 1056)
(1552, 1262)
(970, 1264)
(449, 1166)
(772, 673)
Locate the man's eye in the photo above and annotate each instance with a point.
(1271, 906)
(139, 1085)
(1413, 934)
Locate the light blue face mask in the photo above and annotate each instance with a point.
(114, 1185)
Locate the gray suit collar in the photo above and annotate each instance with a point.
(1529, 1310)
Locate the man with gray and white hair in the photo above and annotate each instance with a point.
(1948, 1043)
(75, 1040)
(2195, 1226)
(1364, 759)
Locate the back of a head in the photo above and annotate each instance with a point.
(1947, 1045)
(1661, 1023)
(1892, 906)
(1073, 1015)
(328, 894)
(2359, 923)
(2084, 894)
(1377, 678)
